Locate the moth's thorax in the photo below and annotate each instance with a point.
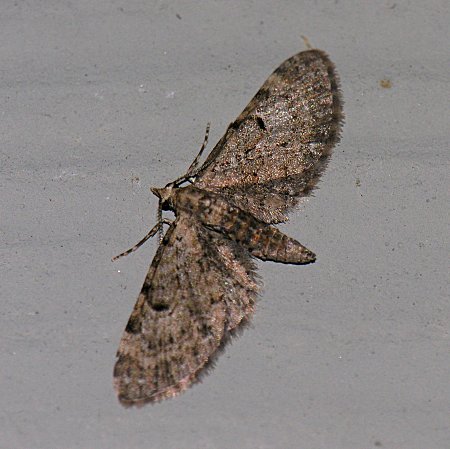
(193, 200)
(211, 209)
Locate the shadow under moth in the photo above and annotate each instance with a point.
(201, 284)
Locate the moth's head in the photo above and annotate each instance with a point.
(164, 194)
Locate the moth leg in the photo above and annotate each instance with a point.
(151, 233)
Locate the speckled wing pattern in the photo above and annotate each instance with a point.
(179, 321)
(201, 284)
(275, 151)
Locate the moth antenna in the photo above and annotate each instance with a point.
(193, 167)
(157, 228)
(160, 221)
(307, 43)
(151, 233)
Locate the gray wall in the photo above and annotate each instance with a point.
(101, 100)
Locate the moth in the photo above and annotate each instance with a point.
(201, 285)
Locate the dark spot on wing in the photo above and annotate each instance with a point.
(260, 123)
(159, 306)
(134, 325)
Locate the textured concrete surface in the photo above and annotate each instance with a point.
(100, 100)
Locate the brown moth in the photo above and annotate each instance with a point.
(201, 284)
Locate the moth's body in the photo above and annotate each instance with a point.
(201, 284)
(217, 214)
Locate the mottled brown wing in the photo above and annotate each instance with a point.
(276, 149)
(199, 287)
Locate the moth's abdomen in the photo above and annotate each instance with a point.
(269, 243)
(262, 240)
